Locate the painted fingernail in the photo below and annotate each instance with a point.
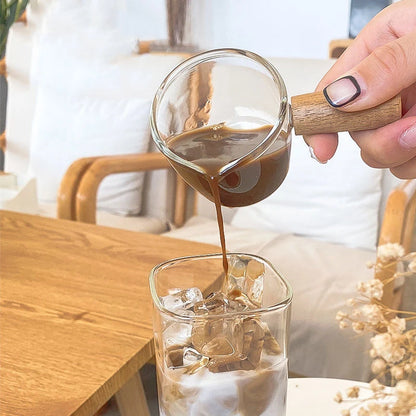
(313, 156)
(408, 138)
(342, 91)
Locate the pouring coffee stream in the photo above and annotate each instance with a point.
(210, 148)
(233, 144)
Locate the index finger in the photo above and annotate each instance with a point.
(388, 25)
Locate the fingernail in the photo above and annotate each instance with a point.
(408, 138)
(342, 91)
(313, 156)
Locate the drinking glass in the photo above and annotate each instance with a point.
(220, 344)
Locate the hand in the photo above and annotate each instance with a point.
(379, 64)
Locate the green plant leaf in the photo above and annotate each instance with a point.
(3, 10)
(11, 18)
(3, 41)
(21, 8)
(10, 11)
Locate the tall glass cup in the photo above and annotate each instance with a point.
(221, 344)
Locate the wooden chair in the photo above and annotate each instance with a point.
(77, 197)
(338, 46)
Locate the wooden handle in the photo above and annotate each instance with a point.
(312, 114)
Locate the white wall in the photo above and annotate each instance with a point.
(285, 28)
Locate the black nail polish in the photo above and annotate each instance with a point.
(342, 91)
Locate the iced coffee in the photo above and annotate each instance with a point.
(221, 352)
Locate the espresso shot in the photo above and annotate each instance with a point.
(212, 148)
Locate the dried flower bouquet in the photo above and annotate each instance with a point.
(393, 390)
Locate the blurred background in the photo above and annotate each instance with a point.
(269, 27)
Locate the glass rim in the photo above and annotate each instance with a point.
(283, 304)
(207, 56)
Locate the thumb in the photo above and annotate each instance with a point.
(387, 71)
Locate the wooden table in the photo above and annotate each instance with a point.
(76, 312)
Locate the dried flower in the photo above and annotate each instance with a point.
(372, 289)
(340, 316)
(385, 347)
(363, 412)
(389, 252)
(393, 345)
(375, 385)
(376, 409)
(353, 392)
(372, 314)
(343, 324)
(370, 264)
(378, 366)
(397, 372)
(405, 391)
(358, 327)
(351, 302)
(396, 325)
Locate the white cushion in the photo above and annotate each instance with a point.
(18, 193)
(21, 99)
(93, 97)
(67, 128)
(144, 224)
(337, 202)
(323, 276)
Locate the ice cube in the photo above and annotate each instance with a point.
(240, 301)
(245, 275)
(236, 266)
(191, 356)
(174, 356)
(236, 274)
(193, 360)
(253, 340)
(182, 299)
(214, 304)
(253, 284)
(250, 340)
(217, 303)
(219, 345)
(177, 333)
(254, 269)
(204, 330)
(214, 337)
(220, 364)
(271, 346)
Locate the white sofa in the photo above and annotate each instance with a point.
(319, 229)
